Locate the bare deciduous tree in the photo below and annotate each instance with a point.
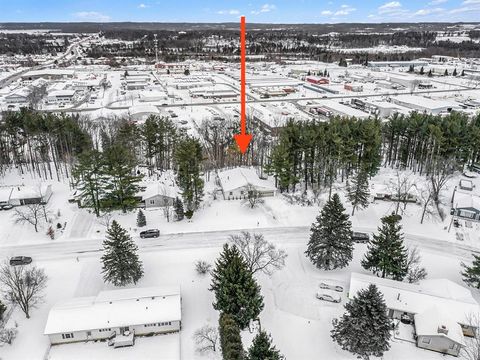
(23, 285)
(439, 177)
(29, 214)
(415, 271)
(253, 198)
(206, 339)
(105, 219)
(401, 188)
(259, 254)
(7, 335)
(426, 197)
(471, 351)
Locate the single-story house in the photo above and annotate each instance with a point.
(409, 300)
(466, 206)
(237, 183)
(156, 194)
(438, 332)
(114, 314)
(25, 195)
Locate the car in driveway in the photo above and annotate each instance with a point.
(20, 260)
(328, 295)
(360, 237)
(151, 233)
(6, 206)
(328, 285)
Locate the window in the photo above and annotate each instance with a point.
(152, 202)
(67, 336)
(426, 340)
(451, 347)
(467, 214)
(231, 192)
(103, 330)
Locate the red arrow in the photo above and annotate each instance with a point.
(243, 139)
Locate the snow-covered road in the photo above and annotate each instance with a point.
(279, 235)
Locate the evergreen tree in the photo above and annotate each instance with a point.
(364, 329)
(123, 185)
(446, 73)
(121, 265)
(386, 255)
(455, 73)
(422, 71)
(179, 211)
(263, 349)
(141, 219)
(358, 191)
(90, 180)
(236, 291)
(471, 274)
(186, 72)
(330, 246)
(188, 157)
(230, 338)
(411, 69)
(463, 73)
(430, 74)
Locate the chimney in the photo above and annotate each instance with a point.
(442, 329)
(398, 297)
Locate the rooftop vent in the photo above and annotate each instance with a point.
(442, 329)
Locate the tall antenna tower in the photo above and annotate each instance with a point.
(156, 49)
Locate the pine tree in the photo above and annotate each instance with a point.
(263, 349)
(121, 265)
(90, 180)
(386, 255)
(179, 211)
(430, 74)
(123, 185)
(364, 329)
(411, 69)
(455, 73)
(188, 157)
(358, 191)
(230, 338)
(471, 274)
(422, 71)
(446, 73)
(330, 246)
(141, 219)
(236, 291)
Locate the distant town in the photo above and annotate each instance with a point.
(132, 226)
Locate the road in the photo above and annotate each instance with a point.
(279, 235)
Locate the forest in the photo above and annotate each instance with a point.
(94, 156)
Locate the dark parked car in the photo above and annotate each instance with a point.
(360, 237)
(6, 207)
(152, 233)
(20, 260)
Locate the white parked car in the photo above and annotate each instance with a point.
(328, 295)
(330, 286)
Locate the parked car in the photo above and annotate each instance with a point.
(6, 207)
(20, 260)
(151, 233)
(328, 295)
(330, 286)
(360, 237)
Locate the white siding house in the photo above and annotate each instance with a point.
(25, 195)
(156, 195)
(238, 182)
(137, 311)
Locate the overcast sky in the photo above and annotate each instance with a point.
(276, 11)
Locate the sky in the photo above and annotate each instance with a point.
(272, 11)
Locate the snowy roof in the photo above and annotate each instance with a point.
(466, 200)
(60, 93)
(47, 72)
(115, 308)
(425, 103)
(5, 193)
(429, 322)
(157, 188)
(242, 177)
(143, 109)
(450, 298)
(342, 109)
(29, 192)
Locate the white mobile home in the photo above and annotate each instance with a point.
(115, 314)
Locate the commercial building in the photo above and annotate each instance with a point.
(423, 104)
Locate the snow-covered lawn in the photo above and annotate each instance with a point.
(299, 323)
